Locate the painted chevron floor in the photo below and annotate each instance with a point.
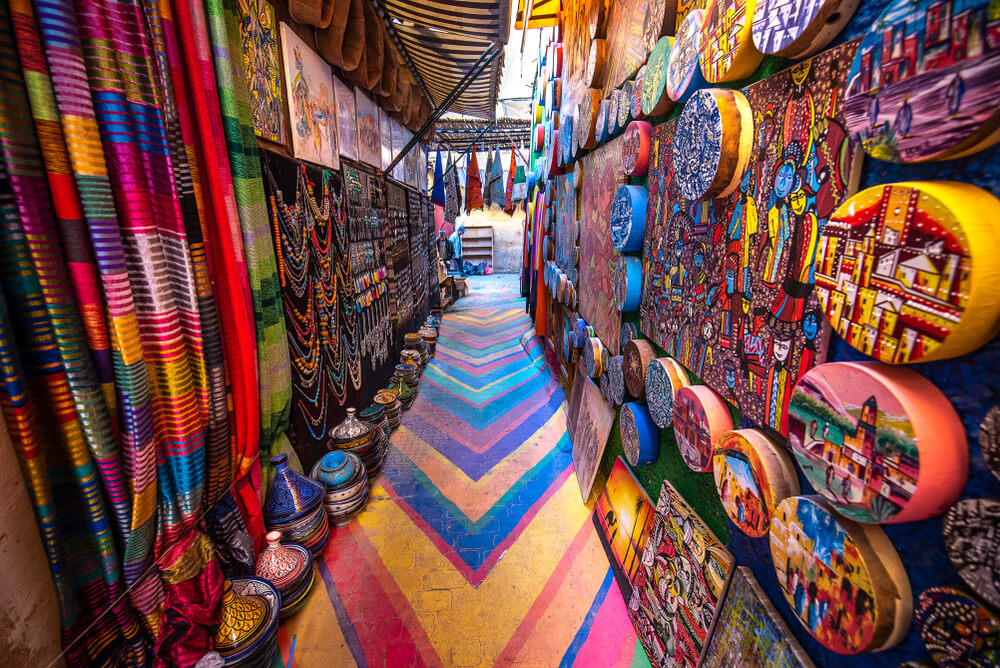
(474, 549)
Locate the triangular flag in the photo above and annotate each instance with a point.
(473, 185)
(437, 194)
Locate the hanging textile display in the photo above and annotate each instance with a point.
(520, 185)
(494, 180)
(438, 191)
(453, 205)
(509, 192)
(487, 191)
(473, 184)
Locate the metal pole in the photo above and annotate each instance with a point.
(487, 57)
(464, 153)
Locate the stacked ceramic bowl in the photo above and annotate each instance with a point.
(415, 342)
(289, 567)
(294, 506)
(359, 438)
(346, 481)
(411, 357)
(375, 416)
(429, 335)
(410, 373)
(247, 635)
(387, 400)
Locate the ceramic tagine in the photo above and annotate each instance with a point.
(351, 433)
(247, 634)
(346, 480)
(294, 506)
(289, 567)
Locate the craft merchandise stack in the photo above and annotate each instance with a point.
(761, 253)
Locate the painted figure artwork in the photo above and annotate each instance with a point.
(843, 580)
(727, 49)
(957, 629)
(566, 226)
(311, 106)
(701, 417)
(898, 268)
(601, 177)
(753, 474)
(590, 432)
(750, 633)
(369, 134)
(680, 584)
(623, 515)
(626, 50)
(799, 28)
(881, 443)
(259, 37)
(347, 132)
(989, 440)
(397, 140)
(728, 282)
(972, 538)
(385, 137)
(925, 84)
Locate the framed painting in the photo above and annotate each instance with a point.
(369, 134)
(398, 142)
(626, 49)
(590, 431)
(259, 37)
(385, 137)
(311, 105)
(346, 119)
(623, 516)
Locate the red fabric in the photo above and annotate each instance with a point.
(542, 300)
(509, 193)
(473, 184)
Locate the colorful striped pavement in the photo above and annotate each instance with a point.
(474, 549)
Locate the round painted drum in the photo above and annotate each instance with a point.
(636, 101)
(628, 283)
(727, 49)
(592, 357)
(713, 143)
(616, 379)
(625, 105)
(683, 71)
(655, 101)
(628, 332)
(566, 139)
(638, 354)
(837, 574)
(957, 629)
(604, 384)
(881, 443)
(595, 63)
(635, 151)
(580, 334)
(753, 474)
(601, 122)
(800, 33)
(640, 438)
(628, 218)
(612, 119)
(701, 417)
(933, 248)
(664, 378)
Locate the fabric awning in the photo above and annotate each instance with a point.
(445, 39)
(544, 14)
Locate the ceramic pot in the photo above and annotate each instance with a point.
(242, 622)
(350, 433)
(283, 565)
(291, 495)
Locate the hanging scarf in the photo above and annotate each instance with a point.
(438, 194)
(509, 192)
(452, 205)
(520, 185)
(473, 184)
(495, 180)
(487, 192)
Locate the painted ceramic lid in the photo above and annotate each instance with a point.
(351, 430)
(291, 494)
(243, 620)
(281, 564)
(337, 468)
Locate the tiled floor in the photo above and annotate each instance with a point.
(474, 549)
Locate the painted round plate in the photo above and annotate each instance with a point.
(635, 150)
(628, 332)
(612, 119)
(664, 377)
(727, 49)
(701, 417)
(628, 218)
(931, 250)
(625, 105)
(989, 440)
(972, 540)
(640, 438)
(601, 122)
(592, 354)
(713, 143)
(957, 629)
(628, 283)
(935, 94)
(660, 20)
(655, 101)
(638, 354)
(683, 71)
(616, 379)
(881, 443)
(799, 28)
(637, 94)
(843, 580)
(753, 474)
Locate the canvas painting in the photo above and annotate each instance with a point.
(398, 142)
(369, 134)
(728, 283)
(346, 120)
(259, 37)
(750, 633)
(385, 135)
(312, 109)
(410, 160)
(566, 226)
(602, 174)
(590, 432)
(623, 515)
(679, 585)
(753, 474)
(626, 48)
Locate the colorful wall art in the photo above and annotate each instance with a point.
(799, 28)
(661, 20)
(385, 137)
(601, 178)
(638, 354)
(623, 515)
(626, 49)
(664, 377)
(712, 144)
(369, 134)
(701, 417)
(311, 107)
(655, 101)
(347, 132)
(590, 431)
(727, 283)
(684, 75)
(881, 443)
(635, 150)
(753, 474)
(843, 580)
(750, 633)
(899, 266)
(259, 37)
(989, 440)
(972, 538)
(727, 49)
(957, 629)
(681, 583)
(640, 437)
(925, 84)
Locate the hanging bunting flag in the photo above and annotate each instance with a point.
(438, 194)
(473, 184)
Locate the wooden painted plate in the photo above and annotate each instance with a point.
(664, 377)
(595, 64)
(616, 380)
(655, 101)
(593, 351)
(640, 437)
(612, 117)
(701, 417)
(989, 440)
(713, 143)
(635, 150)
(637, 94)
(638, 354)
(799, 28)
(753, 474)
(815, 552)
(628, 283)
(628, 218)
(684, 75)
(727, 49)
(957, 629)
(625, 104)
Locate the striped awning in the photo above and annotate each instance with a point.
(445, 39)
(544, 14)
